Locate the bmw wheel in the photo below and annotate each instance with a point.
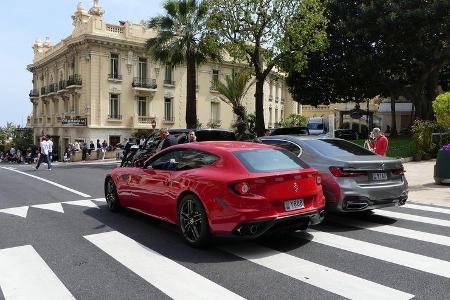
(193, 221)
(112, 198)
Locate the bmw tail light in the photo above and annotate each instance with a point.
(341, 172)
(400, 171)
(241, 188)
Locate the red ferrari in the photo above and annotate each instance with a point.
(221, 188)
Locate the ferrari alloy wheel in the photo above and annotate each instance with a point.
(193, 221)
(112, 198)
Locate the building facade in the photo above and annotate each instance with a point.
(99, 83)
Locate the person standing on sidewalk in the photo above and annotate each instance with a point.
(50, 149)
(380, 143)
(44, 154)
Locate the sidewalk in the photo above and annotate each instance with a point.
(422, 188)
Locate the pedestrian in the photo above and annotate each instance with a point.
(99, 149)
(84, 151)
(142, 141)
(192, 138)
(379, 145)
(104, 148)
(167, 139)
(44, 154)
(126, 150)
(50, 149)
(91, 147)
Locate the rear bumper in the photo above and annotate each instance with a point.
(253, 229)
(359, 198)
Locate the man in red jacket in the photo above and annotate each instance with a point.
(380, 143)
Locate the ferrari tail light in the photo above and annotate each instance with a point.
(241, 188)
(341, 172)
(400, 171)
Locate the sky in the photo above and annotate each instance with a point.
(24, 21)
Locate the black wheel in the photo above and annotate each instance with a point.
(112, 198)
(193, 221)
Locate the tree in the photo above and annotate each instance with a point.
(269, 34)
(441, 107)
(232, 92)
(294, 120)
(182, 39)
(380, 47)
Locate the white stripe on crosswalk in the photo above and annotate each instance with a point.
(20, 211)
(414, 218)
(415, 261)
(158, 270)
(99, 199)
(397, 231)
(50, 206)
(85, 203)
(25, 275)
(428, 208)
(331, 280)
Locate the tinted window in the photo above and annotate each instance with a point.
(193, 159)
(332, 148)
(268, 160)
(315, 126)
(166, 161)
(286, 145)
(215, 135)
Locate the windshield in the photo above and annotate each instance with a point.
(334, 147)
(269, 160)
(315, 126)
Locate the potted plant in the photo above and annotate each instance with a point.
(442, 166)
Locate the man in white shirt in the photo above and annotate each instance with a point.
(44, 154)
(50, 149)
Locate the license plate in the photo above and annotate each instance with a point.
(379, 176)
(293, 204)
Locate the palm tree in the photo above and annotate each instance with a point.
(182, 38)
(232, 92)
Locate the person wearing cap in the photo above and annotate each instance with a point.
(380, 143)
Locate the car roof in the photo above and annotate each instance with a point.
(295, 137)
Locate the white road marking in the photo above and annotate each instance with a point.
(397, 231)
(427, 208)
(85, 203)
(403, 258)
(50, 182)
(99, 199)
(25, 275)
(331, 280)
(158, 270)
(408, 217)
(20, 211)
(51, 206)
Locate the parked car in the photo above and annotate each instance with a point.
(353, 178)
(301, 130)
(346, 134)
(221, 188)
(318, 125)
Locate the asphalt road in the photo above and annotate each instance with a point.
(60, 240)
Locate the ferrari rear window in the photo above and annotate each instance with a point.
(268, 160)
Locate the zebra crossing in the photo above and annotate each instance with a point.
(25, 274)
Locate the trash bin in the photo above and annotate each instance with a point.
(442, 166)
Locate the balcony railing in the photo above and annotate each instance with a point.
(34, 93)
(52, 88)
(74, 80)
(114, 76)
(62, 85)
(145, 119)
(169, 119)
(115, 117)
(144, 83)
(44, 91)
(169, 82)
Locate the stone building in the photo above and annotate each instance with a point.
(99, 83)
